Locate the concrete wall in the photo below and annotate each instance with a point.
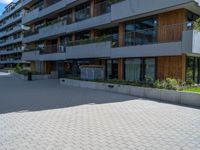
(62, 28)
(35, 55)
(196, 42)
(95, 50)
(130, 8)
(35, 14)
(162, 49)
(32, 55)
(176, 97)
(52, 56)
(190, 42)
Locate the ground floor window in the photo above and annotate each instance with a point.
(133, 69)
(138, 69)
(112, 69)
(193, 69)
(150, 68)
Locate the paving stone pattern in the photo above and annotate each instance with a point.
(43, 115)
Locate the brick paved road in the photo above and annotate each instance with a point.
(43, 115)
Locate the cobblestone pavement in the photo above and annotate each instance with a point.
(43, 115)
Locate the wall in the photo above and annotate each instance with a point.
(171, 66)
(171, 33)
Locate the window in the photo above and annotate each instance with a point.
(193, 69)
(192, 17)
(82, 35)
(82, 11)
(138, 69)
(150, 66)
(112, 69)
(133, 69)
(141, 32)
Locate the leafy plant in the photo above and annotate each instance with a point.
(197, 25)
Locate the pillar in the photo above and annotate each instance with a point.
(121, 34)
(120, 69)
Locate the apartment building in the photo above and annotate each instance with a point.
(11, 35)
(129, 39)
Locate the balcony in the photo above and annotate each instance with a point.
(15, 29)
(52, 52)
(41, 11)
(191, 42)
(91, 50)
(138, 7)
(25, 2)
(17, 7)
(61, 27)
(11, 61)
(6, 52)
(11, 41)
(10, 21)
(48, 53)
(171, 40)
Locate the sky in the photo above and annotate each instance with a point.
(3, 3)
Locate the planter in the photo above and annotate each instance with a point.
(171, 96)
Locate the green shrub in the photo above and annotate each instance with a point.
(190, 82)
(171, 84)
(18, 68)
(197, 25)
(24, 72)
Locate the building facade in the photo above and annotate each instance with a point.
(130, 39)
(11, 35)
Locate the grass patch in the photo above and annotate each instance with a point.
(193, 90)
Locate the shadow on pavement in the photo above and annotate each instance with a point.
(17, 95)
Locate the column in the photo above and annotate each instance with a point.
(120, 69)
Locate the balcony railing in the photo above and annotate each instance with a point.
(52, 49)
(82, 14)
(162, 34)
(31, 32)
(102, 8)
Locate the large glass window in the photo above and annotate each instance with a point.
(101, 7)
(193, 69)
(82, 11)
(138, 69)
(133, 69)
(82, 35)
(112, 69)
(150, 68)
(141, 32)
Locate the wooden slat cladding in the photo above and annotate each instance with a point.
(33, 66)
(171, 67)
(167, 32)
(120, 69)
(48, 67)
(121, 34)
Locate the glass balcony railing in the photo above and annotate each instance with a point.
(52, 49)
(102, 8)
(31, 32)
(80, 15)
(162, 34)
